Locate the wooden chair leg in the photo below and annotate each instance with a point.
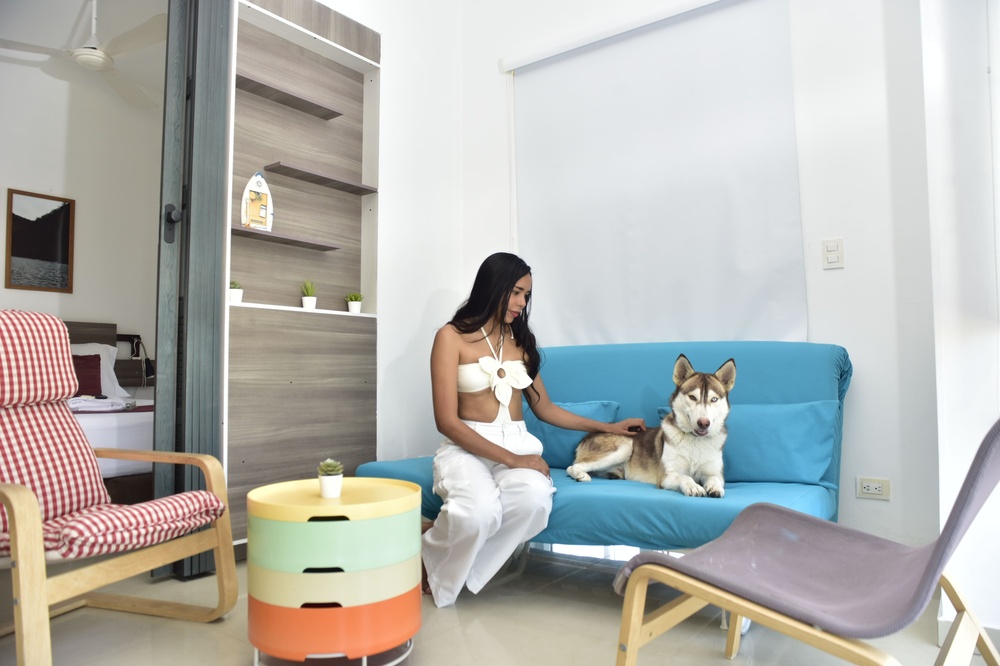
(966, 632)
(639, 628)
(734, 634)
(633, 611)
(33, 639)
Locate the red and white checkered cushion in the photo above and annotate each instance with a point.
(43, 447)
(36, 363)
(116, 528)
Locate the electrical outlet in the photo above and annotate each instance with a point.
(872, 488)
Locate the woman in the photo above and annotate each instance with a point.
(496, 487)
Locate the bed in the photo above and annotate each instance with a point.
(123, 417)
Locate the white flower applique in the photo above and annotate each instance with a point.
(515, 376)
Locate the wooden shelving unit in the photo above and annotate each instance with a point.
(301, 385)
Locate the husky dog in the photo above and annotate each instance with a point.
(684, 453)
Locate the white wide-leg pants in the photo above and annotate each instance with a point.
(489, 510)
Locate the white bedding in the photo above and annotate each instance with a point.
(119, 430)
(89, 404)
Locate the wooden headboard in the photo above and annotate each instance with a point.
(130, 371)
(82, 332)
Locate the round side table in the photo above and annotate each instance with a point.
(333, 577)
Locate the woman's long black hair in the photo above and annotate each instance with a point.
(489, 298)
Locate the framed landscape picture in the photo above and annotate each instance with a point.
(39, 242)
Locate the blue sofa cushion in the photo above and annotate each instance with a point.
(560, 444)
(783, 443)
(637, 514)
(787, 443)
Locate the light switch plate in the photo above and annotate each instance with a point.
(833, 253)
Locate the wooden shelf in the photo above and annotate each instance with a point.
(282, 239)
(299, 173)
(307, 39)
(291, 100)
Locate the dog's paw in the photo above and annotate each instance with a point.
(691, 488)
(714, 489)
(577, 474)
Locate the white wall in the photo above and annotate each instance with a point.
(964, 266)
(862, 172)
(75, 138)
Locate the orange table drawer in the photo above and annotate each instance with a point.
(356, 631)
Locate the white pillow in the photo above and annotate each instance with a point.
(109, 381)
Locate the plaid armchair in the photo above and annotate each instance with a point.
(54, 506)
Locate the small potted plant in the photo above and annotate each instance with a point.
(235, 292)
(354, 301)
(331, 478)
(309, 295)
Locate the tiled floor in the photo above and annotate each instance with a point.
(561, 610)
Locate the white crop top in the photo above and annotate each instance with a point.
(486, 373)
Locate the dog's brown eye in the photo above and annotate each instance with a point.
(692, 398)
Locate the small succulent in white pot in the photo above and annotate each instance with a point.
(354, 301)
(235, 292)
(308, 295)
(331, 478)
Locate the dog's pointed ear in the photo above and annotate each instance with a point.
(727, 374)
(682, 369)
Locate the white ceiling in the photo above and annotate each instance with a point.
(66, 24)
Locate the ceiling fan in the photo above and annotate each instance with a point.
(98, 56)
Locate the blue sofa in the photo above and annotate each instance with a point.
(785, 430)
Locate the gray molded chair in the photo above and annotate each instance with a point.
(827, 585)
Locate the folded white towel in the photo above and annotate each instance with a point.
(109, 404)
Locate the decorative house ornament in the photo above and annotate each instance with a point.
(257, 211)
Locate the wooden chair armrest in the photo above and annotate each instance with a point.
(215, 478)
(24, 522)
(21, 504)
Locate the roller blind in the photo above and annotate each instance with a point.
(656, 182)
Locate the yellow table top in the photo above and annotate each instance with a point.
(361, 498)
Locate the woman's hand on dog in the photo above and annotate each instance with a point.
(628, 427)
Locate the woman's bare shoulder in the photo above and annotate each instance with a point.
(448, 333)
(449, 337)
